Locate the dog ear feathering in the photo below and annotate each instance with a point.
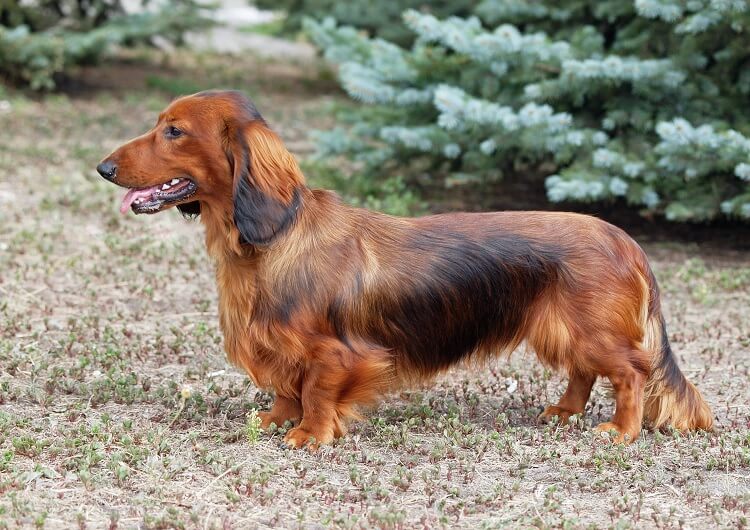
(266, 179)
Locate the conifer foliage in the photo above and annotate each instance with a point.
(41, 39)
(645, 100)
(378, 18)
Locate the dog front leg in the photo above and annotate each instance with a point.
(284, 409)
(338, 378)
(319, 422)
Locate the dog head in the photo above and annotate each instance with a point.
(211, 150)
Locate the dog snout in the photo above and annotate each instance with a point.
(107, 169)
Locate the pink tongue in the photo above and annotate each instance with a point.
(133, 194)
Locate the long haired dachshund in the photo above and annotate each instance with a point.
(331, 306)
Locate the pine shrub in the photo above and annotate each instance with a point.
(644, 101)
(42, 39)
(380, 19)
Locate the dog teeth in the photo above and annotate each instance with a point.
(165, 187)
(174, 181)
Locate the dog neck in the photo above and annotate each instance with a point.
(243, 269)
(225, 243)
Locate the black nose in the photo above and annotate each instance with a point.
(107, 169)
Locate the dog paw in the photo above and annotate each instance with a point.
(616, 433)
(553, 411)
(301, 437)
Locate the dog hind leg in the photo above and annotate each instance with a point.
(573, 401)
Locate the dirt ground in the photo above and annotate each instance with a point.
(119, 410)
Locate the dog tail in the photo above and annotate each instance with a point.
(670, 399)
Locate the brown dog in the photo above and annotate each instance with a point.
(331, 306)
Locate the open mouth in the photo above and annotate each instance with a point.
(155, 198)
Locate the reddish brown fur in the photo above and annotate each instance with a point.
(331, 306)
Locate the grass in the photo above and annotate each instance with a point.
(119, 410)
(273, 28)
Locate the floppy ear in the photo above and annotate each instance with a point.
(267, 181)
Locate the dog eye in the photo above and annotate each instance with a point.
(172, 132)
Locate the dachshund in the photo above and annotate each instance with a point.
(331, 306)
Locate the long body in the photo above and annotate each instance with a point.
(401, 299)
(331, 306)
